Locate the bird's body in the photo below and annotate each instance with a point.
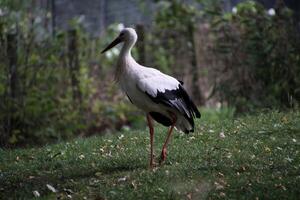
(144, 86)
(161, 96)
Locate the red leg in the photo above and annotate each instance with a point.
(163, 155)
(151, 130)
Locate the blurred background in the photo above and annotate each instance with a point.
(233, 55)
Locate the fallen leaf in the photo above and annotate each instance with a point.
(122, 179)
(220, 174)
(229, 155)
(219, 186)
(134, 185)
(98, 174)
(289, 159)
(284, 119)
(222, 194)
(261, 132)
(243, 168)
(189, 196)
(36, 193)
(267, 149)
(93, 181)
(222, 135)
(68, 191)
(109, 154)
(51, 188)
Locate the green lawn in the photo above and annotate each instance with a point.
(257, 159)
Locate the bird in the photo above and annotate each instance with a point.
(162, 97)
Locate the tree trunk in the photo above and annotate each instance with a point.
(197, 93)
(74, 68)
(141, 43)
(10, 100)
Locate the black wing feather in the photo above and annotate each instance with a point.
(180, 100)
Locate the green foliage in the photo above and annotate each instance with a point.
(256, 157)
(254, 54)
(173, 34)
(50, 83)
(260, 54)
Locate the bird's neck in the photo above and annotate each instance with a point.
(125, 60)
(126, 49)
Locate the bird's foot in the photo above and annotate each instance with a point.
(163, 156)
(152, 163)
(152, 166)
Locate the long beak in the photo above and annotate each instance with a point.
(111, 45)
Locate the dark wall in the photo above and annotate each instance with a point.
(96, 15)
(90, 13)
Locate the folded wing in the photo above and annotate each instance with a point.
(166, 90)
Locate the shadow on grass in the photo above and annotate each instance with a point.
(23, 183)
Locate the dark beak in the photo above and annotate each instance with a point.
(111, 45)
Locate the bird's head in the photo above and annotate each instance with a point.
(127, 35)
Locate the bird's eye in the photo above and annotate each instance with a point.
(121, 34)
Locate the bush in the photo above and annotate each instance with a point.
(259, 54)
(51, 84)
(252, 54)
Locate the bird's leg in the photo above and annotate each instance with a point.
(163, 155)
(151, 130)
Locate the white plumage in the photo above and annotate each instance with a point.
(154, 81)
(161, 96)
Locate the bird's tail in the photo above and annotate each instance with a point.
(185, 125)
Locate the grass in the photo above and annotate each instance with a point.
(257, 159)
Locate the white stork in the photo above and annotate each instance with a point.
(162, 97)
